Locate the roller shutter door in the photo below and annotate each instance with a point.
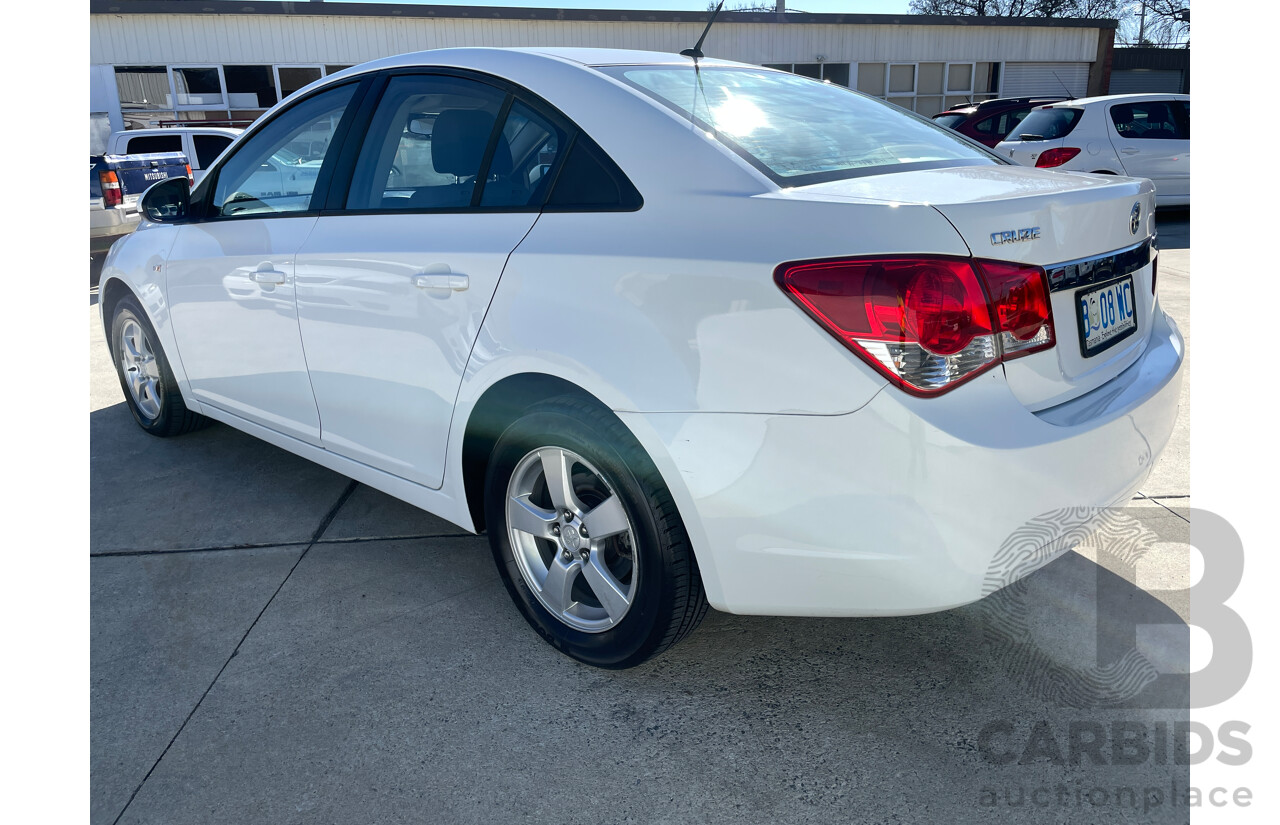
(1026, 79)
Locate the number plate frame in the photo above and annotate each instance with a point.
(1085, 350)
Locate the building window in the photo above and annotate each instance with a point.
(216, 95)
(197, 87)
(837, 73)
(292, 78)
(929, 88)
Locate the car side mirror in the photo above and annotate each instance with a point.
(168, 201)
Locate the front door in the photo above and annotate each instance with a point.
(230, 275)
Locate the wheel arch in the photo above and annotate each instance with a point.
(110, 292)
(497, 408)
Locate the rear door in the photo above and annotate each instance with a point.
(396, 278)
(230, 276)
(1153, 140)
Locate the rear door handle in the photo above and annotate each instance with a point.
(451, 281)
(1130, 151)
(268, 276)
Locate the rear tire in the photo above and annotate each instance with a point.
(601, 566)
(149, 387)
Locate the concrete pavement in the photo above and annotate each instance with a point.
(274, 643)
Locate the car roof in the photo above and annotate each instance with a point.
(466, 56)
(1087, 101)
(177, 130)
(985, 106)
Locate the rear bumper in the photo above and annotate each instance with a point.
(106, 226)
(900, 507)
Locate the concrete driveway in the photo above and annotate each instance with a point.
(274, 643)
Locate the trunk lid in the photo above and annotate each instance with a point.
(1080, 228)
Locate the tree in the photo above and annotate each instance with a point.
(1088, 9)
(1166, 22)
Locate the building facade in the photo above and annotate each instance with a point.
(158, 62)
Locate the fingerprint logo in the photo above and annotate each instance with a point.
(1007, 608)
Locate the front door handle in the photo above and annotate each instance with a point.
(451, 281)
(1130, 151)
(268, 276)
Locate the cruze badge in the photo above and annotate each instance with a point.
(1015, 235)
(1135, 219)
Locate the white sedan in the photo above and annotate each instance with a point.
(675, 334)
(1143, 136)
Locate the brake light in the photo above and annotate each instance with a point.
(926, 323)
(1020, 304)
(1056, 157)
(190, 177)
(111, 193)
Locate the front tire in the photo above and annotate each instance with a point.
(149, 387)
(587, 539)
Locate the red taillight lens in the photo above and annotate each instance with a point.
(927, 323)
(111, 194)
(190, 177)
(1020, 304)
(1055, 157)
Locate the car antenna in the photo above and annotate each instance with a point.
(1070, 96)
(696, 51)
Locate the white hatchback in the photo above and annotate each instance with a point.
(1143, 136)
(676, 334)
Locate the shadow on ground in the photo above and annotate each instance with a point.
(392, 680)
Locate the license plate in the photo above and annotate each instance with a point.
(1106, 316)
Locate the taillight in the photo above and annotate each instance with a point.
(111, 194)
(1055, 157)
(190, 177)
(926, 323)
(1020, 305)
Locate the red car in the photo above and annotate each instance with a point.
(989, 121)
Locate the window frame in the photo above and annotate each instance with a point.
(1173, 104)
(173, 68)
(202, 195)
(336, 196)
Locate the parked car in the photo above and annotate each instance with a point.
(990, 120)
(824, 371)
(201, 144)
(116, 182)
(1143, 136)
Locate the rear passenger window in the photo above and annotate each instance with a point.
(150, 144)
(426, 144)
(522, 160)
(1149, 120)
(208, 147)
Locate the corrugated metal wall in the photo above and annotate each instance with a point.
(1141, 81)
(192, 39)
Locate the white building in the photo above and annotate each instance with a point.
(160, 61)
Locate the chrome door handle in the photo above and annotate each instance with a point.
(268, 276)
(448, 280)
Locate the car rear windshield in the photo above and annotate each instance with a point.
(1047, 124)
(799, 131)
(950, 121)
